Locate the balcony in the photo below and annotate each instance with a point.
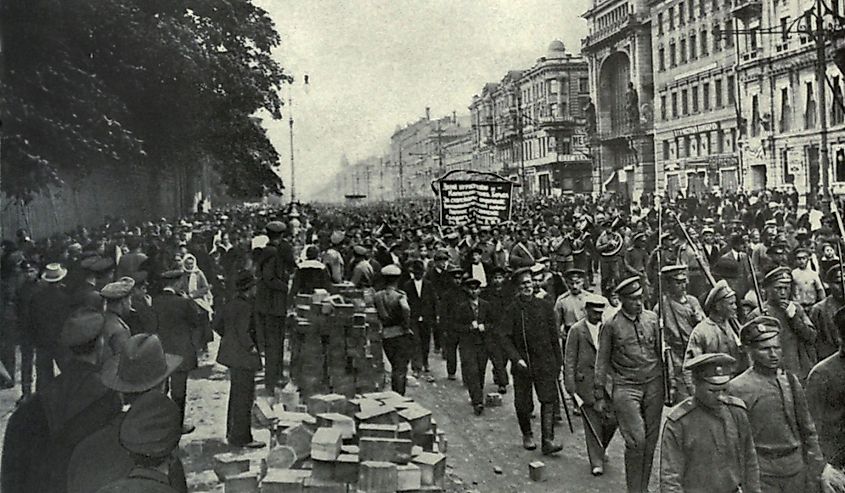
(559, 123)
(599, 35)
(751, 55)
(746, 9)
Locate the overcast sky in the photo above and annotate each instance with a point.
(376, 64)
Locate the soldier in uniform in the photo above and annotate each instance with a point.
(707, 445)
(397, 337)
(530, 339)
(570, 307)
(579, 378)
(784, 434)
(714, 334)
(628, 353)
(683, 313)
(636, 262)
(797, 335)
(822, 314)
(826, 398)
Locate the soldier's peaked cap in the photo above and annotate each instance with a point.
(715, 368)
(629, 287)
(674, 271)
(759, 329)
(777, 275)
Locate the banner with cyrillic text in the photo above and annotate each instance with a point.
(474, 202)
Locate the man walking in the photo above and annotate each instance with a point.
(392, 306)
(469, 322)
(826, 399)
(683, 313)
(421, 300)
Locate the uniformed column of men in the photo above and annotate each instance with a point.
(520, 294)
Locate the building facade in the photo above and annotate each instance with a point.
(618, 50)
(696, 108)
(531, 125)
(780, 141)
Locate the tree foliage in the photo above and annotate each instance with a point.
(153, 83)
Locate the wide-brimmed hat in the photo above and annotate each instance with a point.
(141, 365)
(152, 427)
(53, 273)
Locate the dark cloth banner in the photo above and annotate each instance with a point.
(474, 202)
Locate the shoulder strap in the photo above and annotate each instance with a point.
(681, 409)
(734, 401)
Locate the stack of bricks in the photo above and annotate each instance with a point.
(379, 442)
(336, 343)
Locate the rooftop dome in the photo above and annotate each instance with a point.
(556, 49)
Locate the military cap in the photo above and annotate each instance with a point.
(667, 235)
(638, 237)
(537, 268)
(834, 275)
(801, 232)
(629, 287)
(276, 227)
(172, 274)
(152, 427)
(595, 302)
(82, 328)
(441, 255)
(759, 329)
(391, 270)
(715, 368)
(709, 221)
(499, 270)
(778, 249)
(778, 275)
(360, 250)
(771, 222)
(707, 230)
(574, 272)
(118, 289)
(520, 272)
(803, 250)
(617, 222)
(471, 281)
(454, 269)
(678, 272)
(720, 291)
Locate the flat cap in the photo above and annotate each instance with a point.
(759, 329)
(638, 237)
(720, 291)
(678, 272)
(140, 276)
(629, 287)
(574, 272)
(802, 250)
(82, 328)
(360, 250)
(88, 262)
(276, 227)
(152, 427)
(391, 270)
(715, 368)
(454, 269)
(118, 289)
(172, 274)
(778, 275)
(471, 282)
(537, 268)
(595, 302)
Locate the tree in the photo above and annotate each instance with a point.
(161, 84)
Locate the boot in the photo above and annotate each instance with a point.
(528, 442)
(547, 430)
(527, 434)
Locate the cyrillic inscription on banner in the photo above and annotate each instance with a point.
(474, 202)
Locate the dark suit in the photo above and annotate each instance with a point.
(734, 271)
(579, 378)
(274, 269)
(423, 318)
(465, 324)
(500, 297)
(49, 307)
(180, 332)
(238, 351)
(449, 337)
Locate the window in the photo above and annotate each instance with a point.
(717, 38)
(810, 108)
(683, 50)
(785, 111)
(717, 88)
(671, 17)
(755, 115)
(704, 47)
(684, 102)
(660, 23)
(720, 142)
(731, 90)
(673, 56)
(681, 19)
(687, 146)
(665, 150)
(691, 10)
(584, 85)
(837, 111)
(694, 97)
(784, 26)
(709, 140)
(663, 107)
(701, 12)
(729, 37)
(752, 40)
(705, 95)
(674, 105)
(692, 47)
(661, 59)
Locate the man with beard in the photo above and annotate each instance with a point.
(628, 353)
(783, 430)
(531, 342)
(822, 314)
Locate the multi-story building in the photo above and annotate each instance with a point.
(779, 92)
(532, 123)
(695, 118)
(619, 54)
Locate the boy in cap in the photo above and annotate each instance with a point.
(629, 354)
(497, 294)
(579, 375)
(44, 430)
(822, 314)
(470, 320)
(707, 444)
(797, 335)
(150, 432)
(392, 306)
(235, 324)
(783, 429)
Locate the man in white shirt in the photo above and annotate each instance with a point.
(476, 268)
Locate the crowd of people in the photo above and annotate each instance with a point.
(729, 308)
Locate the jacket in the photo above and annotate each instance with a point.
(274, 269)
(797, 338)
(734, 271)
(579, 363)
(826, 399)
(393, 311)
(49, 307)
(462, 316)
(178, 327)
(115, 334)
(235, 324)
(422, 306)
(310, 275)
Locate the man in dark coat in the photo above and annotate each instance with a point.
(235, 324)
(449, 337)
(150, 433)
(44, 430)
(422, 300)
(310, 274)
(733, 267)
(497, 294)
(271, 297)
(142, 367)
(470, 319)
(441, 280)
(530, 339)
(826, 399)
(823, 312)
(179, 329)
(48, 309)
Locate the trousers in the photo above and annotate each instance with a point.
(399, 351)
(177, 386)
(784, 484)
(605, 428)
(638, 409)
(473, 364)
(273, 335)
(422, 337)
(449, 344)
(44, 374)
(239, 412)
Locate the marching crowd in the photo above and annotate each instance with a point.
(727, 308)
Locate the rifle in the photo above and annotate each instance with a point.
(670, 388)
(756, 287)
